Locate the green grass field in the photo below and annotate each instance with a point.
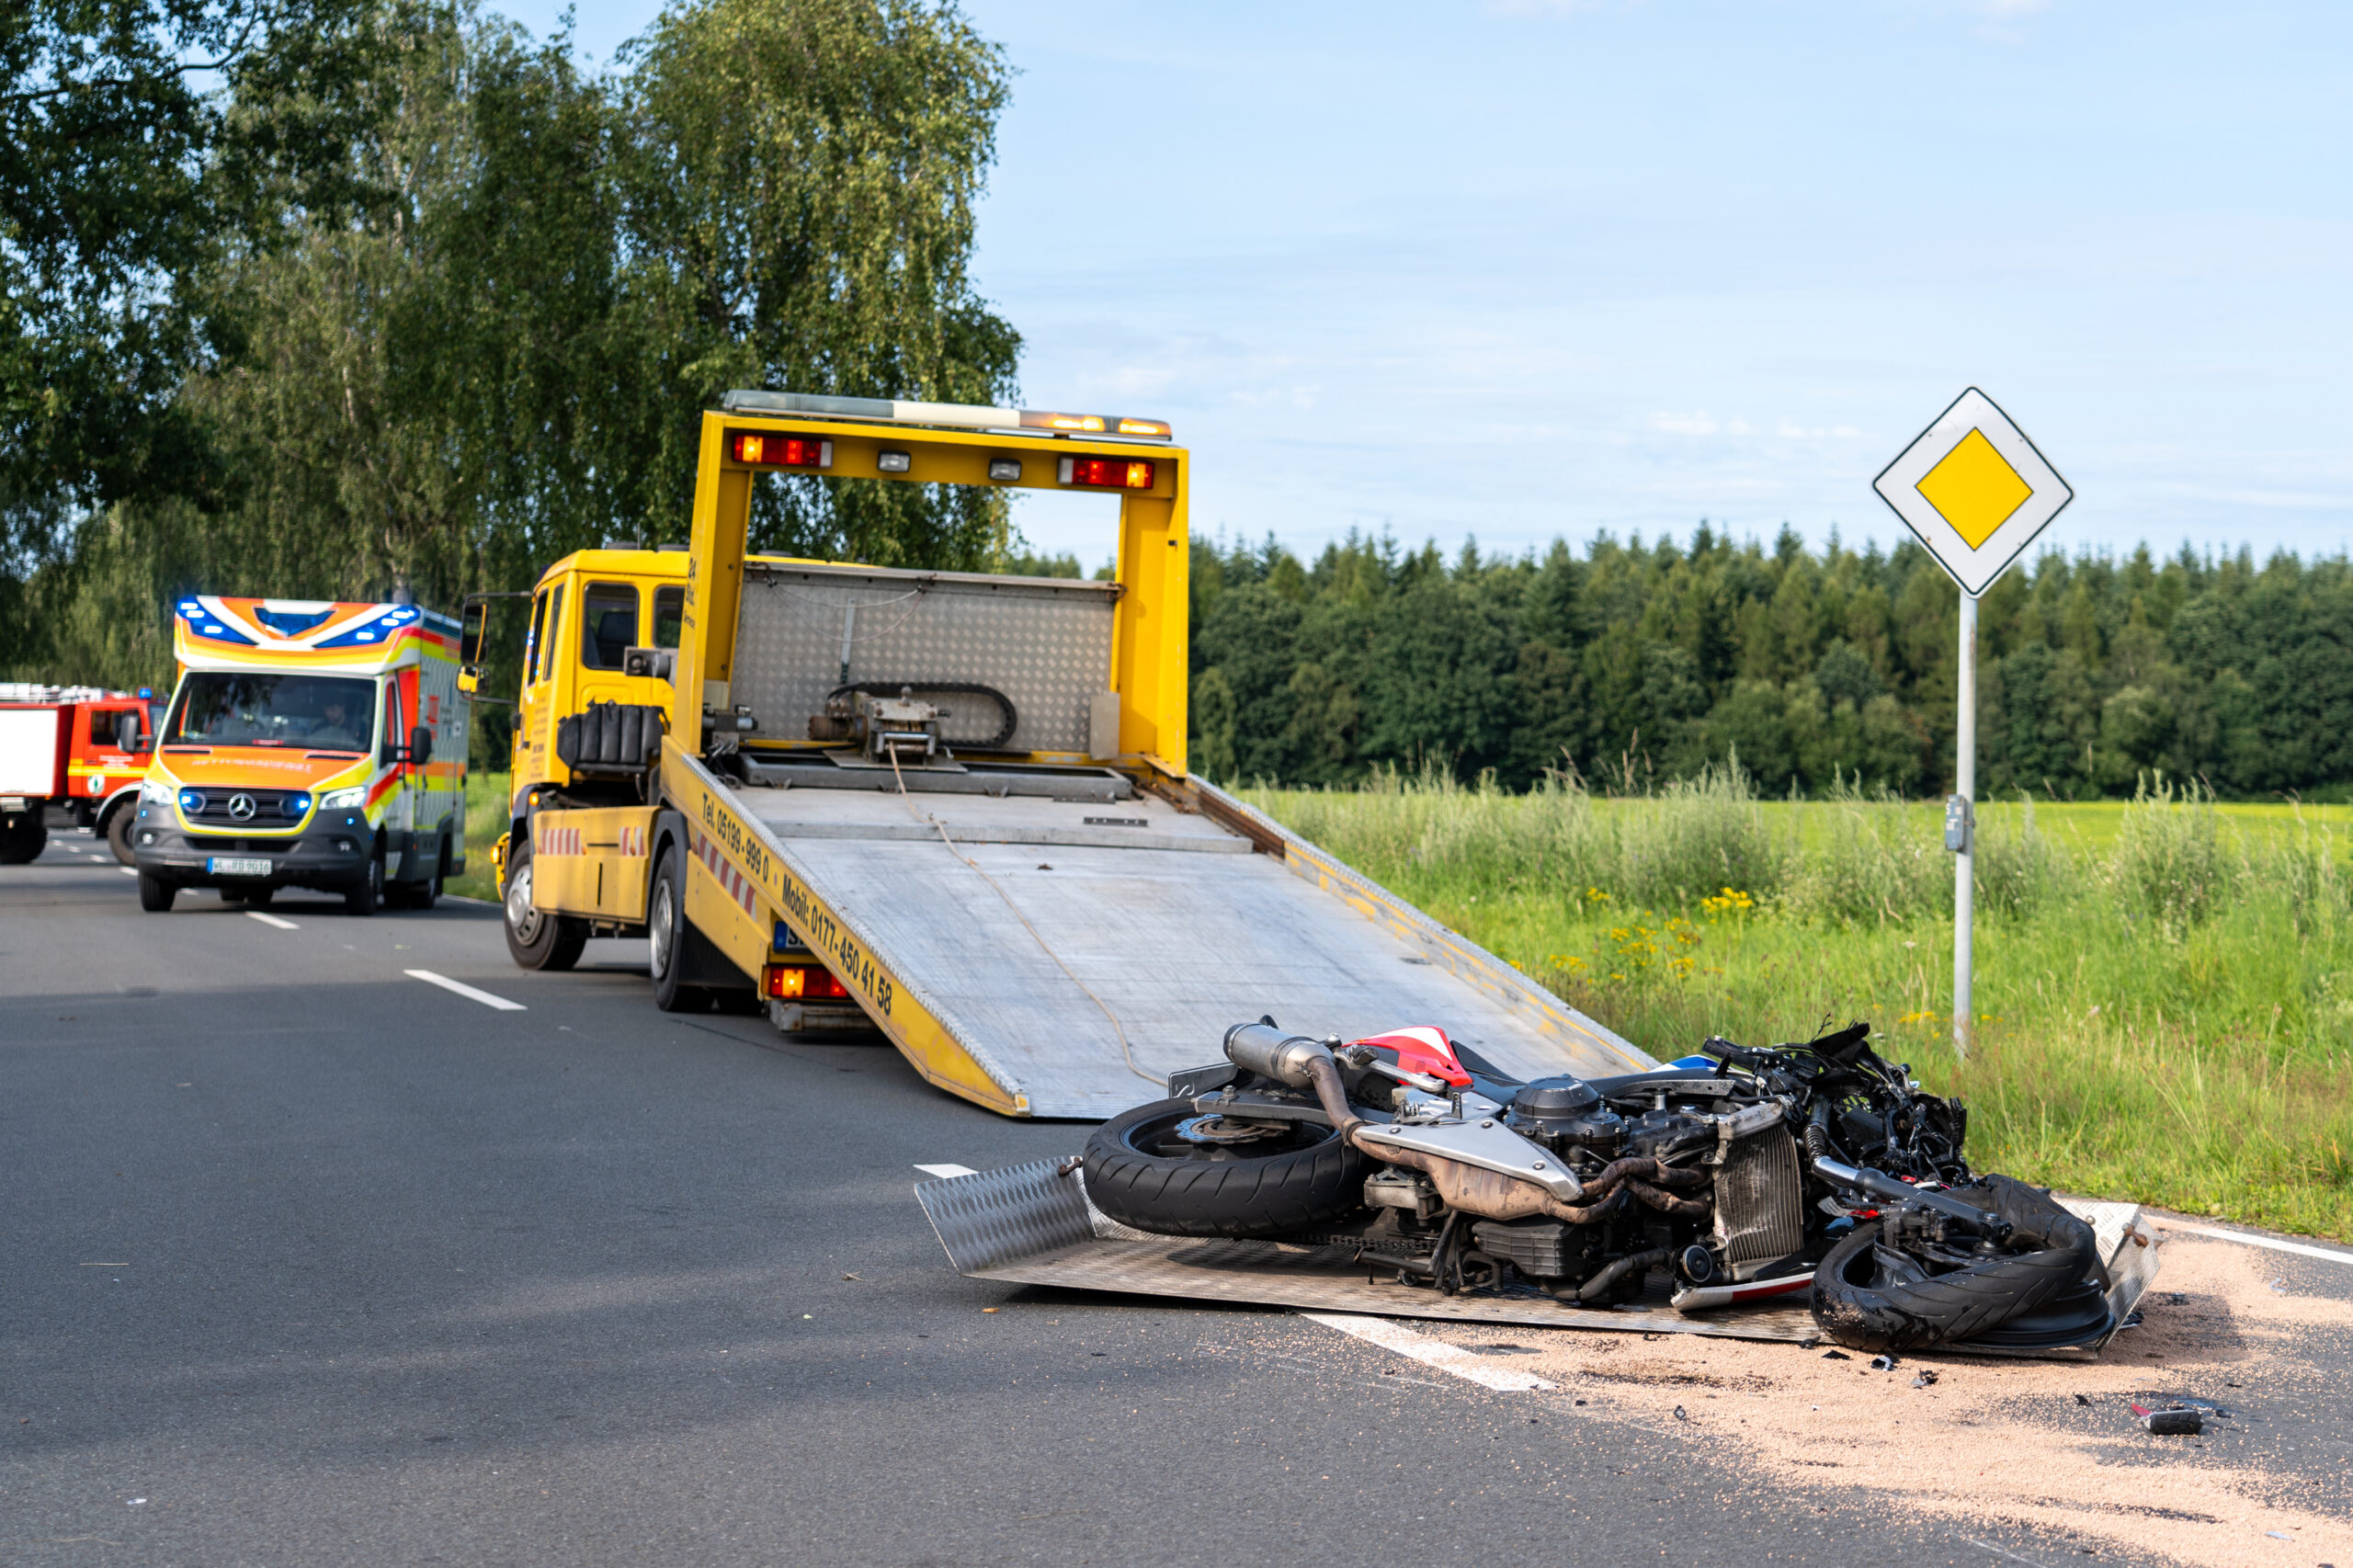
(486, 818)
(2164, 987)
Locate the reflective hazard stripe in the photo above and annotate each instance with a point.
(633, 842)
(557, 841)
(733, 881)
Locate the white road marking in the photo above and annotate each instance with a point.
(271, 920)
(1483, 1371)
(2297, 1247)
(468, 992)
(948, 1170)
(128, 870)
(1998, 1552)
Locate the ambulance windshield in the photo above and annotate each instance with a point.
(234, 708)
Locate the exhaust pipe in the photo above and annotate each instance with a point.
(1293, 1059)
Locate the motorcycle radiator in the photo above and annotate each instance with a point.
(1760, 1202)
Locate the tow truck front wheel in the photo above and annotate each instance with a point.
(535, 938)
(666, 928)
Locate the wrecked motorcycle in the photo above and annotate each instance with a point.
(1741, 1175)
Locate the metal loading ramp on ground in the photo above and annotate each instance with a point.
(1032, 1224)
(1035, 922)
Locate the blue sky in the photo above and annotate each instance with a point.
(1526, 269)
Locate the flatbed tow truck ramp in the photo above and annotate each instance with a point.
(953, 806)
(1079, 951)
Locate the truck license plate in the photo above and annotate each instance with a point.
(229, 866)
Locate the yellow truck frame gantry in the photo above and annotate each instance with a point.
(951, 807)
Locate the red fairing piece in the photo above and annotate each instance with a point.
(1423, 1049)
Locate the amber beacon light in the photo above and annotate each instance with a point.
(970, 416)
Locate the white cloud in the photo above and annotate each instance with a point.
(1699, 424)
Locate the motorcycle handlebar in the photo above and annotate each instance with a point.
(1879, 1185)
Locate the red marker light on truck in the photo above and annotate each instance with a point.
(799, 982)
(1107, 474)
(781, 451)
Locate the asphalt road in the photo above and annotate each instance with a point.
(311, 1262)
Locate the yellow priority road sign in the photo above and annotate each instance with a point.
(1975, 490)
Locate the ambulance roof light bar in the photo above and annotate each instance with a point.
(963, 415)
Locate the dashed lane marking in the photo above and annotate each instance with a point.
(1484, 1370)
(271, 920)
(948, 1170)
(468, 992)
(128, 870)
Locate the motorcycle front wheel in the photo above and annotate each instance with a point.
(1143, 1170)
(2046, 1289)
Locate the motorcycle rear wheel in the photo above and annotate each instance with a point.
(1141, 1173)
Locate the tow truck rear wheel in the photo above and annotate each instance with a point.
(535, 938)
(666, 928)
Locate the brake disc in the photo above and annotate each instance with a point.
(1220, 1132)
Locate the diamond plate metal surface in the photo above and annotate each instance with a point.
(998, 1217)
(1025, 1225)
(1045, 644)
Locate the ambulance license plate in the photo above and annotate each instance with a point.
(229, 866)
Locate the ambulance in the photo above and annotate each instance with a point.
(308, 744)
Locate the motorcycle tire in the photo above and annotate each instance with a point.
(1858, 1302)
(1136, 1174)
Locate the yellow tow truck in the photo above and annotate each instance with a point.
(950, 807)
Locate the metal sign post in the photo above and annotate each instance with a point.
(1964, 860)
(1975, 492)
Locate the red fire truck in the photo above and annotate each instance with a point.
(76, 752)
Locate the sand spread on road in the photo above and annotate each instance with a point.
(2008, 1440)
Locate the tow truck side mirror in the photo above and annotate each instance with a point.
(470, 640)
(656, 663)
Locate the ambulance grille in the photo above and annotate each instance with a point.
(269, 808)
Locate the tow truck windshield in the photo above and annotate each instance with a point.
(223, 708)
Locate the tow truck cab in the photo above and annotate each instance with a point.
(604, 627)
(310, 745)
